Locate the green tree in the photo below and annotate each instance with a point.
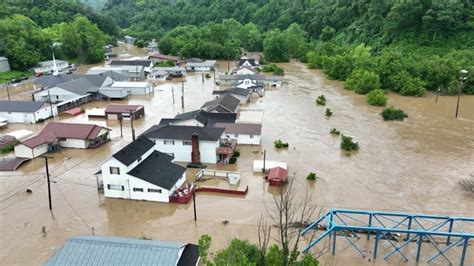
(362, 81)
(239, 252)
(276, 47)
(376, 98)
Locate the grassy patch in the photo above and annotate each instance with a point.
(13, 74)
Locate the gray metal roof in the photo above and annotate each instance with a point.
(171, 132)
(100, 250)
(20, 106)
(226, 104)
(84, 85)
(50, 81)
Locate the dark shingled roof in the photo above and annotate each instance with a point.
(183, 132)
(190, 255)
(235, 91)
(250, 60)
(144, 63)
(84, 85)
(158, 169)
(20, 106)
(51, 81)
(226, 104)
(132, 151)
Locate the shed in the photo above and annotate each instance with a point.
(120, 111)
(277, 176)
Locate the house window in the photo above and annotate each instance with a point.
(186, 143)
(251, 136)
(152, 190)
(114, 170)
(57, 97)
(115, 187)
(136, 189)
(169, 142)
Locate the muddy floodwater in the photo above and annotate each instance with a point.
(412, 166)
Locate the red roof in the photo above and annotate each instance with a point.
(164, 57)
(277, 174)
(73, 111)
(122, 108)
(54, 130)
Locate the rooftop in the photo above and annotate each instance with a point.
(20, 106)
(207, 63)
(55, 130)
(183, 132)
(226, 104)
(164, 57)
(144, 63)
(130, 84)
(102, 250)
(84, 85)
(51, 62)
(130, 153)
(252, 129)
(235, 91)
(159, 170)
(122, 108)
(252, 77)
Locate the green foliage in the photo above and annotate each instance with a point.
(334, 131)
(232, 160)
(204, 244)
(362, 81)
(9, 147)
(165, 64)
(377, 98)
(13, 74)
(208, 76)
(321, 100)
(276, 47)
(140, 43)
(312, 176)
(279, 144)
(393, 114)
(236, 154)
(273, 68)
(239, 252)
(348, 144)
(328, 112)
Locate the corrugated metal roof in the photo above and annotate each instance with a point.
(100, 250)
(20, 106)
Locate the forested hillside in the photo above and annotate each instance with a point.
(406, 46)
(31, 30)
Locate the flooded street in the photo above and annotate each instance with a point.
(411, 166)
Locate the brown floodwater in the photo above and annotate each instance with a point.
(410, 166)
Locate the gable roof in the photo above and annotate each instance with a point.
(226, 104)
(122, 108)
(207, 63)
(194, 60)
(235, 91)
(20, 106)
(241, 128)
(144, 63)
(203, 117)
(102, 250)
(130, 153)
(51, 80)
(158, 169)
(54, 130)
(278, 174)
(250, 60)
(252, 77)
(248, 68)
(173, 132)
(84, 85)
(164, 57)
(114, 75)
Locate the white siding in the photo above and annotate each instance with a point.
(24, 151)
(245, 139)
(73, 143)
(182, 153)
(57, 95)
(28, 118)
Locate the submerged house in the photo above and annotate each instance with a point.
(244, 134)
(28, 112)
(176, 141)
(224, 104)
(124, 111)
(272, 81)
(277, 176)
(199, 118)
(140, 172)
(104, 250)
(146, 64)
(205, 66)
(57, 135)
(240, 93)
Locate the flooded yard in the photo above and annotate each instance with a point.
(411, 166)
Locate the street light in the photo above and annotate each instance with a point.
(462, 77)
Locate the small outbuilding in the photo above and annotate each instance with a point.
(277, 176)
(205, 66)
(28, 112)
(244, 134)
(121, 111)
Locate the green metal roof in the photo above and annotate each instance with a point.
(100, 250)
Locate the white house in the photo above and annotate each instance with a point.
(46, 66)
(272, 81)
(244, 134)
(199, 118)
(246, 70)
(158, 75)
(140, 172)
(205, 66)
(68, 135)
(245, 61)
(134, 88)
(175, 141)
(27, 112)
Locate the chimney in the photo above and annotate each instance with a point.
(195, 154)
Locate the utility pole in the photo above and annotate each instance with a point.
(131, 124)
(228, 63)
(202, 77)
(264, 158)
(8, 91)
(172, 92)
(49, 183)
(194, 205)
(437, 94)
(462, 77)
(121, 130)
(214, 70)
(182, 94)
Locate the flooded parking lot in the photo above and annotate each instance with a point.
(410, 166)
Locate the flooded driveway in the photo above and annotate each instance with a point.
(410, 166)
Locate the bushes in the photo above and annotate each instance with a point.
(348, 144)
(208, 76)
(321, 100)
(233, 160)
(167, 63)
(273, 68)
(9, 147)
(334, 131)
(236, 154)
(393, 114)
(279, 144)
(377, 98)
(328, 112)
(312, 176)
(362, 81)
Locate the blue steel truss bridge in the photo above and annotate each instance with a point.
(424, 238)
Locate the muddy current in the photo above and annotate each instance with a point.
(411, 166)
